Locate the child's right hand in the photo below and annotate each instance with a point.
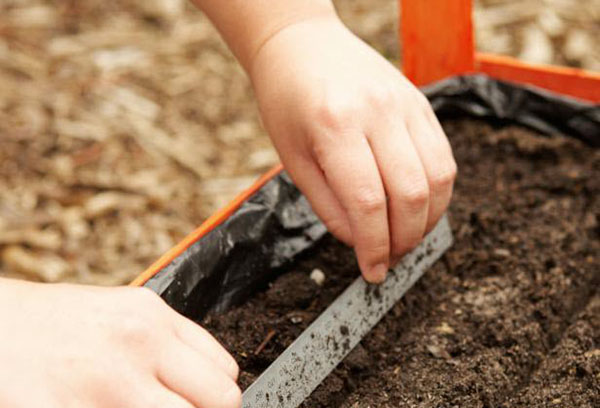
(67, 346)
(360, 141)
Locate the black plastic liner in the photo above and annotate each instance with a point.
(507, 103)
(276, 224)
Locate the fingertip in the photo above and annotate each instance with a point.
(376, 274)
(233, 369)
(232, 398)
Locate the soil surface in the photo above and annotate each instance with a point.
(510, 317)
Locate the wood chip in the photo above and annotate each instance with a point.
(44, 267)
(537, 47)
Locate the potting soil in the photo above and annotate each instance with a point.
(510, 317)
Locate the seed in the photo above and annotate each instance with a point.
(317, 276)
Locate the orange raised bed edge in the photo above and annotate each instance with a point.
(567, 81)
(207, 226)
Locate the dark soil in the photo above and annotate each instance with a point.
(509, 318)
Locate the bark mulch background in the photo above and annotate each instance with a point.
(124, 124)
(510, 317)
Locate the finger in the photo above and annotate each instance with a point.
(163, 397)
(311, 181)
(405, 184)
(197, 378)
(203, 342)
(435, 123)
(438, 162)
(350, 170)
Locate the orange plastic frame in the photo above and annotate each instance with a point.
(438, 42)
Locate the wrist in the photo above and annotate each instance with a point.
(247, 25)
(300, 23)
(292, 40)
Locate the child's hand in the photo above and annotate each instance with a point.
(67, 346)
(357, 138)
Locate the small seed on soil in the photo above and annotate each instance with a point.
(317, 276)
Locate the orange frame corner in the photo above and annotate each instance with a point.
(438, 42)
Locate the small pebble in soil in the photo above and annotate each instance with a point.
(444, 328)
(502, 253)
(317, 276)
(296, 319)
(437, 351)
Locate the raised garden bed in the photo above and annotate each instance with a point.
(509, 317)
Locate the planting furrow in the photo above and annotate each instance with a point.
(570, 375)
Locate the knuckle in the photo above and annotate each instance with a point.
(416, 194)
(443, 177)
(382, 97)
(330, 117)
(134, 331)
(232, 397)
(370, 201)
(335, 114)
(323, 146)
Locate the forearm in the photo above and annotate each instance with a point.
(246, 25)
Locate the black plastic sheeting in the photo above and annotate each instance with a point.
(244, 252)
(276, 224)
(507, 103)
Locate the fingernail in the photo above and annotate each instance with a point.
(379, 272)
